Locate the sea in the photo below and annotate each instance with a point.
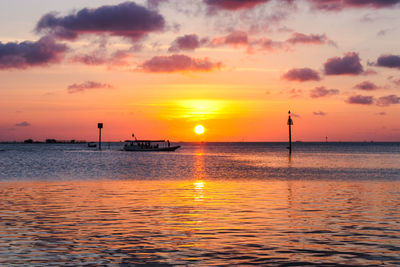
(205, 204)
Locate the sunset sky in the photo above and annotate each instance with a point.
(158, 68)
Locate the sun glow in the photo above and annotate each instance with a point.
(199, 129)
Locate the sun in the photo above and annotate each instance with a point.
(199, 129)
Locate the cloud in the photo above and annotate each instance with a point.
(28, 54)
(301, 38)
(396, 82)
(88, 85)
(360, 99)
(366, 86)
(319, 113)
(349, 64)
(187, 42)
(322, 91)
(301, 75)
(90, 59)
(233, 4)
(126, 19)
(99, 57)
(295, 92)
(388, 100)
(23, 124)
(235, 38)
(336, 5)
(295, 115)
(178, 63)
(267, 44)
(389, 61)
(381, 113)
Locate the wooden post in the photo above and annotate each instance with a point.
(290, 123)
(100, 126)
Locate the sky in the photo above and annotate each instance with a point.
(158, 68)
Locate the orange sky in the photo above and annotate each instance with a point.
(159, 68)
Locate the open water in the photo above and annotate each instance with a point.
(225, 204)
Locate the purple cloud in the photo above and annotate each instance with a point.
(234, 4)
(389, 61)
(178, 63)
(336, 5)
(301, 75)
(28, 54)
(319, 113)
(126, 19)
(322, 91)
(301, 38)
(366, 86)
(388, 100)
(186, 42)
(360, 99)
(88, 85)
(348, 65)
(23, 124)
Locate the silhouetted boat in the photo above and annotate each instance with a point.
(149, 145)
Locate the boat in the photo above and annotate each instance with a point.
(149, 145)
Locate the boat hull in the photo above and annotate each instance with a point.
(160, 149)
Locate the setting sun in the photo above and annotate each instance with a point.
(199, 129)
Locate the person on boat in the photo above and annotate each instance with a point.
(168, 143)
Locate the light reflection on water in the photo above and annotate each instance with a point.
(206, 204)
(204, 222)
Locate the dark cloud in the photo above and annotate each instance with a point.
(28, 54)
(360, 99)
(366, 86)
(336, 5)
(23, 124)
(187, 42)
(88, 85)
(178, 63)
(301, 38)
(322, 91)
(319, 113)
(349, 64)
(126, 19)
(389, 61)
(301, 75)
(388, 100)
(234, 4)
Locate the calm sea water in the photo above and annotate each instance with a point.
(205, 204)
